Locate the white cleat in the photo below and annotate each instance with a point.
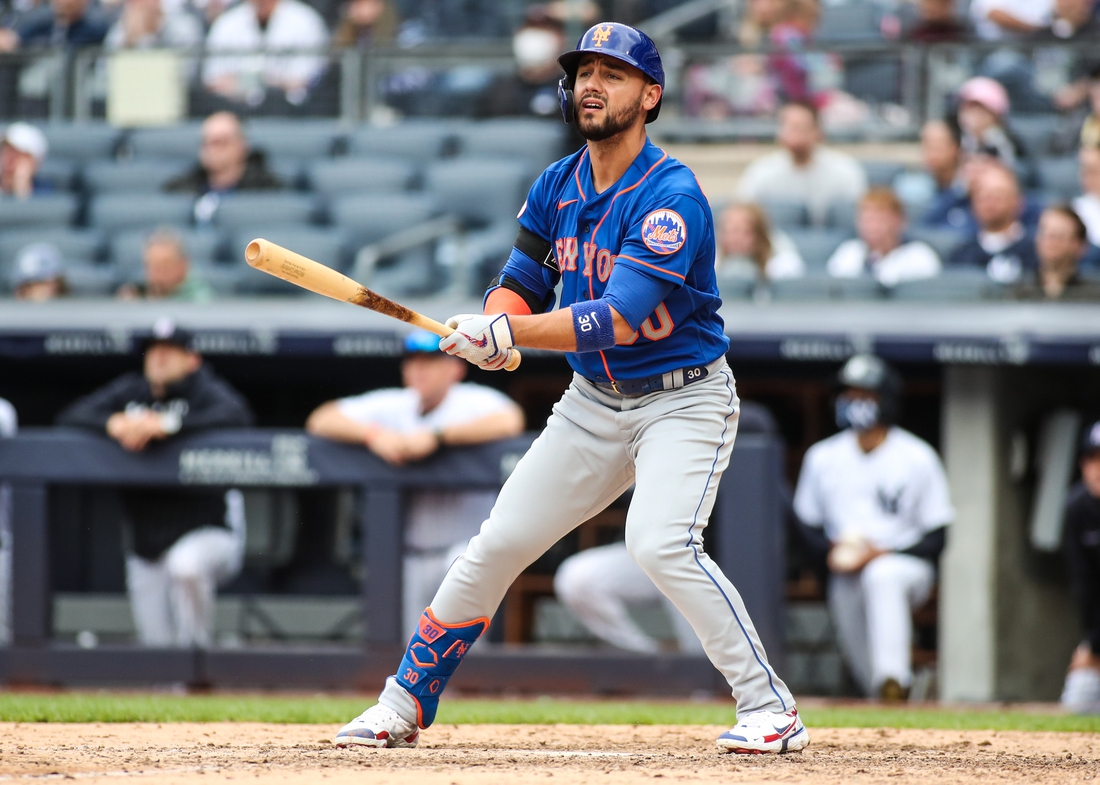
(378, 726)
(764, 731)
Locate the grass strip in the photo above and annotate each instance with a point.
(328, 710)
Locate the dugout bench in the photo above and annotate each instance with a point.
(746, 531)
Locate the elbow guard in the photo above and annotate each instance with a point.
(534, 303)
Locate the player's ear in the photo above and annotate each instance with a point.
(651, 94)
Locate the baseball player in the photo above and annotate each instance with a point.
(627, 233)
(874, 498)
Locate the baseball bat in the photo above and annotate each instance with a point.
(303, 271)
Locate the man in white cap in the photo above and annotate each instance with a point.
(22, 151)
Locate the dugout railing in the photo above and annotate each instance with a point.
(746, 529)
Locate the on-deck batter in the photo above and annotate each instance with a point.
(629, 234)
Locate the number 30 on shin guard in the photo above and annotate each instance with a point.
(434, 651)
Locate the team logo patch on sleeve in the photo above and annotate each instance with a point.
(663, 231)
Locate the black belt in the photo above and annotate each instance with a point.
(673, 380)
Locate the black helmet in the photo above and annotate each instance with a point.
(867, 372)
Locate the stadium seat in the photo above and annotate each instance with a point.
(1038, 132)
(61, 173)
(415, 141)
(91, 280)
(538, 141)
(141, 176)
(812, 287)
(735, 287)
(325, 245)
(943, 241)
(291, 139)
(249, 281)
(785, 214)
(114, 212)
(953, 285)
(48, 210)
(360, 175)
(81, 141)
(862, 288)
(241, 210)
(1059, 177)
(128, 247)
(817, 245)
(841, 216)
(367, 218)
(77, 245)
(480, 191)
(224, 279)
(882, 173)
(289, 170)
(851, 21)
(177, 141)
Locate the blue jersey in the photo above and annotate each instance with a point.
(645, 245)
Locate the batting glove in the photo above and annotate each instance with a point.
(484, 340)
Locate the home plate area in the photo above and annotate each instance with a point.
(171, 753)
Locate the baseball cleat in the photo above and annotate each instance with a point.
(378, 726)
(765, 731)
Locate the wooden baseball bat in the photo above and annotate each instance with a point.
(303, 271)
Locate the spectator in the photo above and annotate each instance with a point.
(184, 542)
(749, 248)
(600, 585)
(873, 500)
(983, 106)
(1002, 245)
(38, 274)
(22, 151)
(804, 171)
(226, 164)
(146, 24)
(366, 23)
(1072, 20)
(9, 424)
(1087, 205)
(759, 19)
(533, 89)
(1081, 546)
(880, 250)
(1061, 243)
(268, 28)
(941, 152)
(937, 23)
(1090, 131)
(64, 22)
(433, 410)
(1010, 19)
(168, 273)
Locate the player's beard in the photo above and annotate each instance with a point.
(613, 122)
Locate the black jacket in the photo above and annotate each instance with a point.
(1020, 256)
(257, 177)
(1081, 545)
(158, 517)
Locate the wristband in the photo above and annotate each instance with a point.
(593, 326)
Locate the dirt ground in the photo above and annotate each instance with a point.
(187, 754)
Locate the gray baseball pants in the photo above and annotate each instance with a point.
(673, 446)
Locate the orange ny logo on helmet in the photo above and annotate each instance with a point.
(601, 34)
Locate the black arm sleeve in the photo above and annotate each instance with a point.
(216, 405)
(815, 541)
(930, 546)
(94, 409)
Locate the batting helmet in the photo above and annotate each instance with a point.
(616, 40)
(867, 372)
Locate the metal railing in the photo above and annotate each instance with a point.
(900, 84)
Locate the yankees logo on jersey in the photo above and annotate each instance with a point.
(646, 245)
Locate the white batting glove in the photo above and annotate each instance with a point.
(484, 340)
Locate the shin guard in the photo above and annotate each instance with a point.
(434, 651)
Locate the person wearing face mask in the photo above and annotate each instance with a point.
(873, 501)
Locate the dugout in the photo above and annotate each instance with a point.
(981, 381)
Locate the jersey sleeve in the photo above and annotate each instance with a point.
(372, 407)
(807, 500)
(656, 256)
(934, 508)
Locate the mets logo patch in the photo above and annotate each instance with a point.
(663, 231)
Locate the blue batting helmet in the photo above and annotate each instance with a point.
(616, 40)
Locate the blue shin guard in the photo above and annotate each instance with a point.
(434, 651)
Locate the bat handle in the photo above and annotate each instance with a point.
(514, 360)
